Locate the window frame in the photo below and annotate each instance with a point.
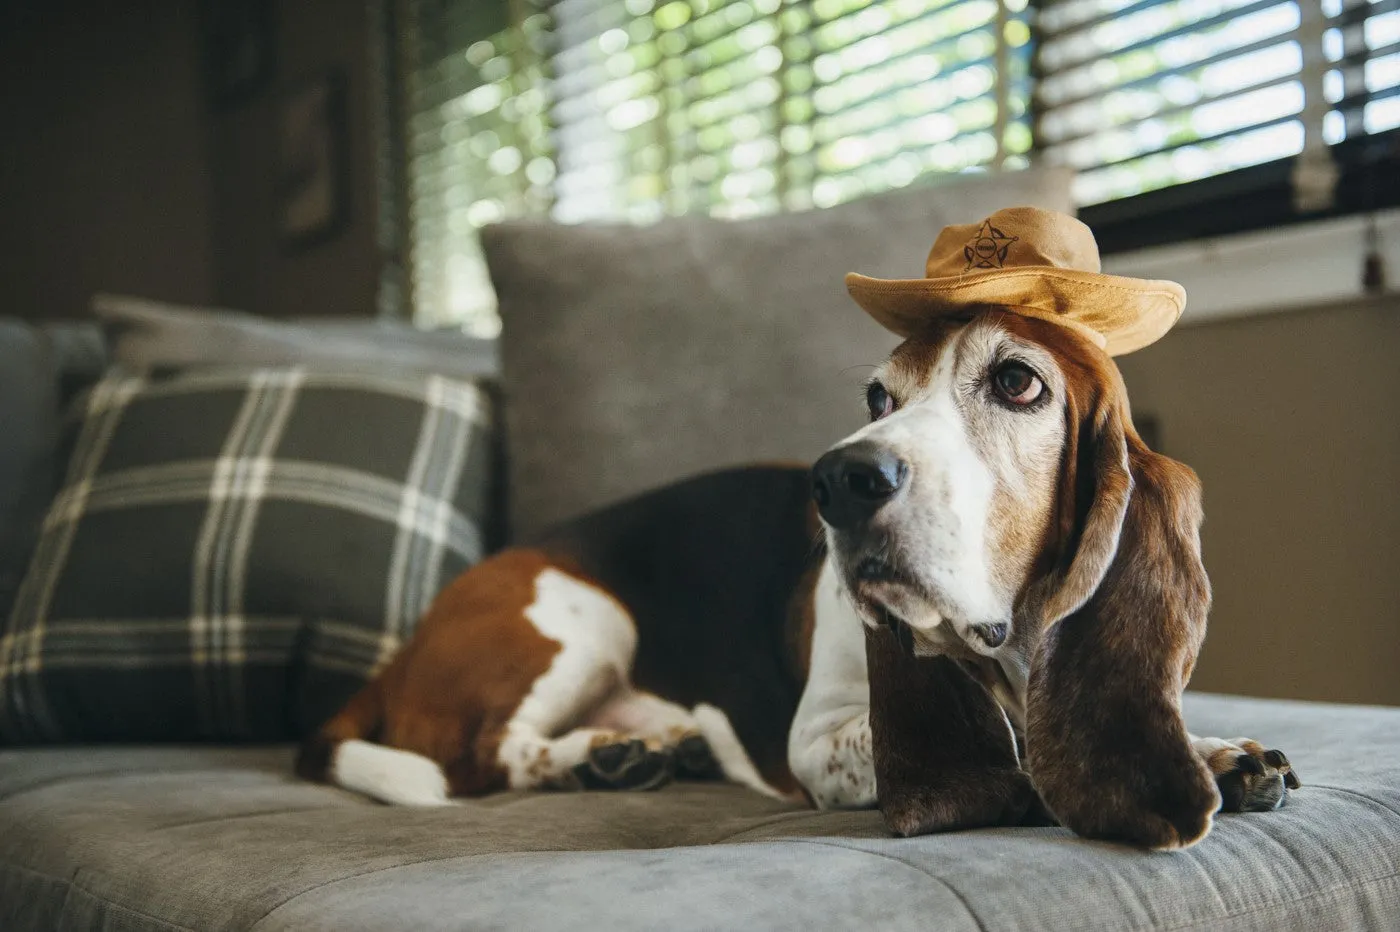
(1259, 197)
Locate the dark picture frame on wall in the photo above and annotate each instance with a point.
(240, 49)
(313, 181)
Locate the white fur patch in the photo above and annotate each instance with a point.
(643, 715)
(829, 745)
(400, 778)
(729, 751)
(597, 641)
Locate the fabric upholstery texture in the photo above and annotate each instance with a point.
(233, 553)
(635, 356)
(226, 838)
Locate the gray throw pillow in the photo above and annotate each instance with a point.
(633, 356)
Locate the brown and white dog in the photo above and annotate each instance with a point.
(988, 618)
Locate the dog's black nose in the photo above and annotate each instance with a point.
(850, 483)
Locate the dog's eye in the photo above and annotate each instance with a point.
(878, 401)
(1017, 384)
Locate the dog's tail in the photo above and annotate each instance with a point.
(343, 752)
(358, 720)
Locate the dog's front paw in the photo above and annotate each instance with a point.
(1158, 794)
(1251, 778)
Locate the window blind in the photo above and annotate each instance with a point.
(636, 109)
(476, 88)
(1143, 95)
(737, 107)
(1362, 46)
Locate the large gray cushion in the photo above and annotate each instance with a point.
(635, 356)
(220, 838)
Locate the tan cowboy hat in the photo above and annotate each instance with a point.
(1035, 262)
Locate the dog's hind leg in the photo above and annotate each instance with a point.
(491, 693)
(702, 740)
(554, 739)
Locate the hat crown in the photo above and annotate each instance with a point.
(1017, 237)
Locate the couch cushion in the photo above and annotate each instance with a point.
(220, 838)
(233, 553)
(155, 336)
(635, 356)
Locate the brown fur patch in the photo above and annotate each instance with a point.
(944, 756)
(912, 362)
(451, 690)
(1105, 741)
(1222, 760)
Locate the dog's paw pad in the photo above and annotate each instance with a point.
(695, 760)
(1250, 777)
(626, 765)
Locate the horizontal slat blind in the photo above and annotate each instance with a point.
(1138, 96)
(636, 109)
(478, 141)
(1362, 44)
(737, 107)
(1142, 95)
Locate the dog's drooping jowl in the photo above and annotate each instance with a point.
(980, 609)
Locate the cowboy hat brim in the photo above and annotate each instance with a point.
(1118, 314)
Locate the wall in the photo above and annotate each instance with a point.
(116, 176)
(1291, 421)
(253, 271)
(104, 172)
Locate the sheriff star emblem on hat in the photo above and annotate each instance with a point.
(987, 250)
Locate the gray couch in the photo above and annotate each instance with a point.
(226, 838)
(221, 837)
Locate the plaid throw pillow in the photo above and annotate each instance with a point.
(234, 554)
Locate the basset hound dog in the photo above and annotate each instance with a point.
(980, 609)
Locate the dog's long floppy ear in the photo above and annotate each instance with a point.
(944, 752)
(1124, 614)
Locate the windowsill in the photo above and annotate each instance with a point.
(1274, 270)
